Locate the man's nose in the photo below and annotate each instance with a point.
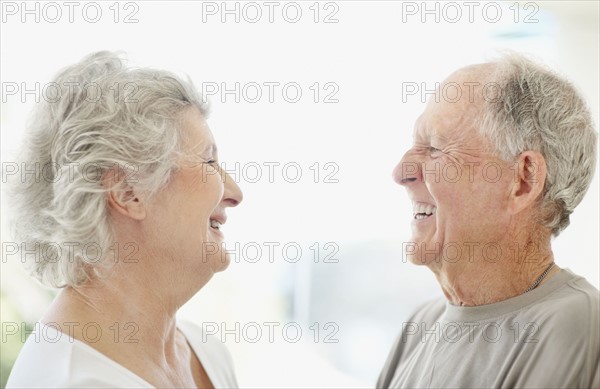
(408, 170)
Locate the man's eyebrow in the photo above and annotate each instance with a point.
(439, 139)
(424, 133)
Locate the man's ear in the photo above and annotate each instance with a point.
(121, 196)
(529, 177)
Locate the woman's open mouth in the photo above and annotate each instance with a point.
(216, 222)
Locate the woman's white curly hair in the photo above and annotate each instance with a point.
(102, 115)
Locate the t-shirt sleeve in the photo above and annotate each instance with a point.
(567, 354)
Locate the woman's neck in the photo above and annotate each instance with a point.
(134, 327)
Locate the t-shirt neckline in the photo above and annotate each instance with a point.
(456, 313)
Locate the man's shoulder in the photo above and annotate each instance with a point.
(563, 326)
(572, 309)
(576, 294)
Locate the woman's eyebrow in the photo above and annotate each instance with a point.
(212, 148)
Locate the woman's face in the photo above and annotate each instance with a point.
(189, 212)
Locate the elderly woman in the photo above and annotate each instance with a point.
(494, 173)
(128, 225)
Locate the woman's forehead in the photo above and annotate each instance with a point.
(197, 134)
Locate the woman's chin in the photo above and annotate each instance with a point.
(223, 263)
(218, 260)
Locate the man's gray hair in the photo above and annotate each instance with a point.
(102, 115)
(539, 110)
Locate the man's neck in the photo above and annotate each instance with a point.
(480, 282)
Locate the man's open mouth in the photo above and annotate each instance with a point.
(422, 211)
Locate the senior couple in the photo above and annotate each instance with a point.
(506, 320)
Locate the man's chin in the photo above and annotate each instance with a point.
(416, 252)
(414, 260)
(420, 260)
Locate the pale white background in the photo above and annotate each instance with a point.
(369, 53)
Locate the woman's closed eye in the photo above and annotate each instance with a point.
(209, 160)
(203, 161)
(214, 163)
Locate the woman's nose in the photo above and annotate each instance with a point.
(232, 194)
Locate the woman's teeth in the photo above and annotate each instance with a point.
(215, 224)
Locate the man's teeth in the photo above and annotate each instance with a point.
(215, 224)
(422, 211)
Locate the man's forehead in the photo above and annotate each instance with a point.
(468, 85)
(446, 122)
(444, 115)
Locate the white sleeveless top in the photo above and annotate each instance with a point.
(55, 360)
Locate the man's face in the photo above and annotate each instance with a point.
(458, 188)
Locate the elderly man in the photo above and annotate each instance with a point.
(499, 162)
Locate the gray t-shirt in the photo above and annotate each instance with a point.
(546, 338)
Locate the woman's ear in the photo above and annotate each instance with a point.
(529, 173)
(121, 195)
